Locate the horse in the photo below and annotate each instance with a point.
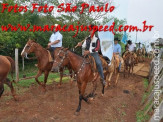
(140, 54)
(129, 62)
(44, 66)
(82, 67)
(7, 64)
(110, 69)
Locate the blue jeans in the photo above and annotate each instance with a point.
(98, 64)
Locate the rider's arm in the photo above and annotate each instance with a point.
(59, 38)
(55, 42)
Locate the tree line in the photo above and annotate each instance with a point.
(9, 40)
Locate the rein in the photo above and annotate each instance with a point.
(64, 57)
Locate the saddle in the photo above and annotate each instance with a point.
(50, 56)
(106, 59)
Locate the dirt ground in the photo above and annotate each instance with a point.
(119, 104)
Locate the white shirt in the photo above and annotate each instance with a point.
(94, 39)
(132, 47)
(54, 37)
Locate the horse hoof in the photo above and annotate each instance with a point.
(91, 99)
(16, 98)
(102, 95)
(106, 86)
(77, 113)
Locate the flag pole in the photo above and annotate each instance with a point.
(136, 36)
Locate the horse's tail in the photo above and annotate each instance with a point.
(12, 66)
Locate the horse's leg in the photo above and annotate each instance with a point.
(94, 88)
(71, 79)
(81, 93)
(9, 84)
(124, 70)
(110, 76)
(61, 76)
(132, 70)
(117, 76)
(46, 74)
(80, 99)
(1, 89)
(38, 75)
(92, 94)
(129, 70)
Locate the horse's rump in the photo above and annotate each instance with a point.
(12, 65)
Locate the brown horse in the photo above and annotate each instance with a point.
(82, 68)
(6, 65)
(129, 62)
(140, 54)
(44, 65)
(110, 69)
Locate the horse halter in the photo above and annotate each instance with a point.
(65, 54)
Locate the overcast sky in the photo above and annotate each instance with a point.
(136, 11)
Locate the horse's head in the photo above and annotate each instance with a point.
(28, 48)
(60, 58)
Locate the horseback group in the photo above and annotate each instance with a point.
(91, 67)
(132, 56)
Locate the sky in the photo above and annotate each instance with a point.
(137, 11)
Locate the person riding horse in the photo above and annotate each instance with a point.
(92, 47)
(55, 41)
(117, 50)
(131, 46)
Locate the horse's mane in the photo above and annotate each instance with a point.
(76, 54)
(38, 44)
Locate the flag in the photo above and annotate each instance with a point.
(107, 41)
(124, 38)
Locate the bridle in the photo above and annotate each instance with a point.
(62, 59)
(26, 55)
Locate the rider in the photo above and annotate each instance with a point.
(117, 47)
(132, 46)
(55, 41)
(117, 50)
(140, 46)
(92, 46)
(132, 49)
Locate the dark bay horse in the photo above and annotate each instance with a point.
(81, 67)
(6, 65)
(44, 65)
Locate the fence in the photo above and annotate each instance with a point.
(152, 89)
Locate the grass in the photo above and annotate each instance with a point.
(140, 114)
(31, 70)
(145, 81)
